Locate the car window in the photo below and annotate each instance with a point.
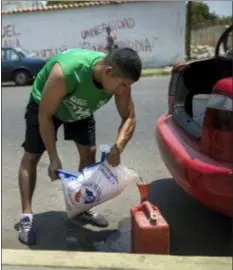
(229, 41)
(227, 45)
(3, 55)
(9, 55)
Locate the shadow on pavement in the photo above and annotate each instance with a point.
(56, 232)
(195, 230)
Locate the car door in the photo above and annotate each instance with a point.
(10, 61)
(4, 66)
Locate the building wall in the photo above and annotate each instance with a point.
(155, 29)
(207, 35)
(18, 4)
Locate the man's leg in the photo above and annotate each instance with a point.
(33, 150)
(86, 155)
(83, 134)
(27, 183)
(27, 180)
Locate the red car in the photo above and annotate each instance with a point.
(198, 152)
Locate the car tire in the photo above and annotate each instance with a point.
(21, 78)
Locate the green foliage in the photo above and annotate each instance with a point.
(201, 16)
(227, 20)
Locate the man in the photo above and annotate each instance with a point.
(110, 40)
(67, 91)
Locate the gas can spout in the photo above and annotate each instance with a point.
(153, 217)
(143, 190)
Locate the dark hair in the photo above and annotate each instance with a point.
(125, 62)
(108, 29)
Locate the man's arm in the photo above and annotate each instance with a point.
(125, 107)
(53, 93)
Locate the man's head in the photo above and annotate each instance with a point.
(108, 30)
(121, 68)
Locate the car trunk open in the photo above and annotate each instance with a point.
(190, 80)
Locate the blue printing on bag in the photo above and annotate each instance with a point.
(102, 159)
(65, 175)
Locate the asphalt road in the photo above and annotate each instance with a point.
(195, 230)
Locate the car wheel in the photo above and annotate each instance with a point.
(21, 78)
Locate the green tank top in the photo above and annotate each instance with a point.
(82, 97)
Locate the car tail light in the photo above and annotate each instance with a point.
(217, 132)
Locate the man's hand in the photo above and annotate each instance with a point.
(53, 167)
(114, 156)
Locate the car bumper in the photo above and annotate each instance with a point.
(205, 179)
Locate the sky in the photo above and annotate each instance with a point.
(222, 8)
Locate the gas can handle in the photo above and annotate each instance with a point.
(151, 211)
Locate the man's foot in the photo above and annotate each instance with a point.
(93, 218)
(27, 230)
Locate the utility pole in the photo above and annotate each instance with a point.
(188, 30)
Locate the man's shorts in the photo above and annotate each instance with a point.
(81, 132)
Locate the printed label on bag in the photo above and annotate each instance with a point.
(108, 174)
(89, 193)
(69, 197)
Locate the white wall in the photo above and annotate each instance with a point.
(155, 29)
(18, 4)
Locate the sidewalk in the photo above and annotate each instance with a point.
(151, 72)
(4, 267)
(62, 260)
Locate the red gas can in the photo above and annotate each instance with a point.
(150, 231)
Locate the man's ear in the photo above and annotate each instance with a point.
(108, 70)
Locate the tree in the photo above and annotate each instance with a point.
(201, 15)
(227, 20)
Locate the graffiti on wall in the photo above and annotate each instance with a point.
(10, 36)
(49, 52)
(139, 44)
(121, 24)
(93, 38)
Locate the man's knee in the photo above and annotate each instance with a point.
(87, 154)
(30, 160)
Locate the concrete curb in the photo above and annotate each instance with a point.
(110, 261)
(156, 72)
